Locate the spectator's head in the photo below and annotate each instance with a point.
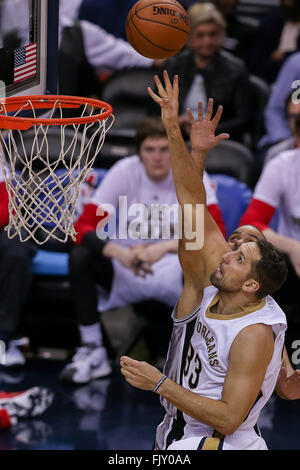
(293, 111)
(291, 10)
(256, 269)
(297, 131)
(153, 148)
(207, 27)
(244, 234)
(226, 7)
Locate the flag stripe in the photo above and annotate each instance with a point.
(27, 70)
(24, 77)
(29, 65)
(25, 62)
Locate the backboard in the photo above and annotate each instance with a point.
(28, 47)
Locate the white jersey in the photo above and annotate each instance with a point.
(279, 187)
(198, 360)
(128, 177)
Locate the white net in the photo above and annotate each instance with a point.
(43, 169)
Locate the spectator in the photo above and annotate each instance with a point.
(292, 111)
(278, 188)
(240, 31)
(128, 269)
(276, 122)
(15, 281)
(86, 50)
(205, 70)
(108, 14)
(277, 37)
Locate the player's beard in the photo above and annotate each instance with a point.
(221, 284)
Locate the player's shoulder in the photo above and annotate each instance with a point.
(255, 339)
(285, 159)
(274, 312)
(256, 333)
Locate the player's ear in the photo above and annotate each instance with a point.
(250, 286)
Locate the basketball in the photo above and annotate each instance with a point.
(157, 29)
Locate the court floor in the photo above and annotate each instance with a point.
(109, 414)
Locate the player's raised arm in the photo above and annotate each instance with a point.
(198, 264)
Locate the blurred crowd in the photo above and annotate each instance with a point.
(248, 60)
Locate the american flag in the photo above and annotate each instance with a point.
(25, 62)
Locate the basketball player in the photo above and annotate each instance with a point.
(111, 264)
(225, 351)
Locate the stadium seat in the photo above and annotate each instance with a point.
(233, 159)
(234, 197)
(50, 263)
(127, 92)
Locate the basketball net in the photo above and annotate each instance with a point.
(43, 191)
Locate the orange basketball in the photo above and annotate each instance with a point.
(157, 29)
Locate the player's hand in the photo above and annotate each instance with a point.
(167, 98)
(289, 386)
(139, 374)
(203, 131)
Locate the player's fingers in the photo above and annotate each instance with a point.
(128, 361)
(209, 110)
(200, 111)
(153, 95)
(168, 83)
(127, 374)
(218, 115)
(125, 364)
(190, 116)
(222, 137)
(176, 85)
(160, 88)
(283, 373)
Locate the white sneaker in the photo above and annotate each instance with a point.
(88, 363)
(13, 356)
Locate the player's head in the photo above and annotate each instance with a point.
(244, 234)
(153, 148)
(226, 7)
(207, 27)
(256, 269)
